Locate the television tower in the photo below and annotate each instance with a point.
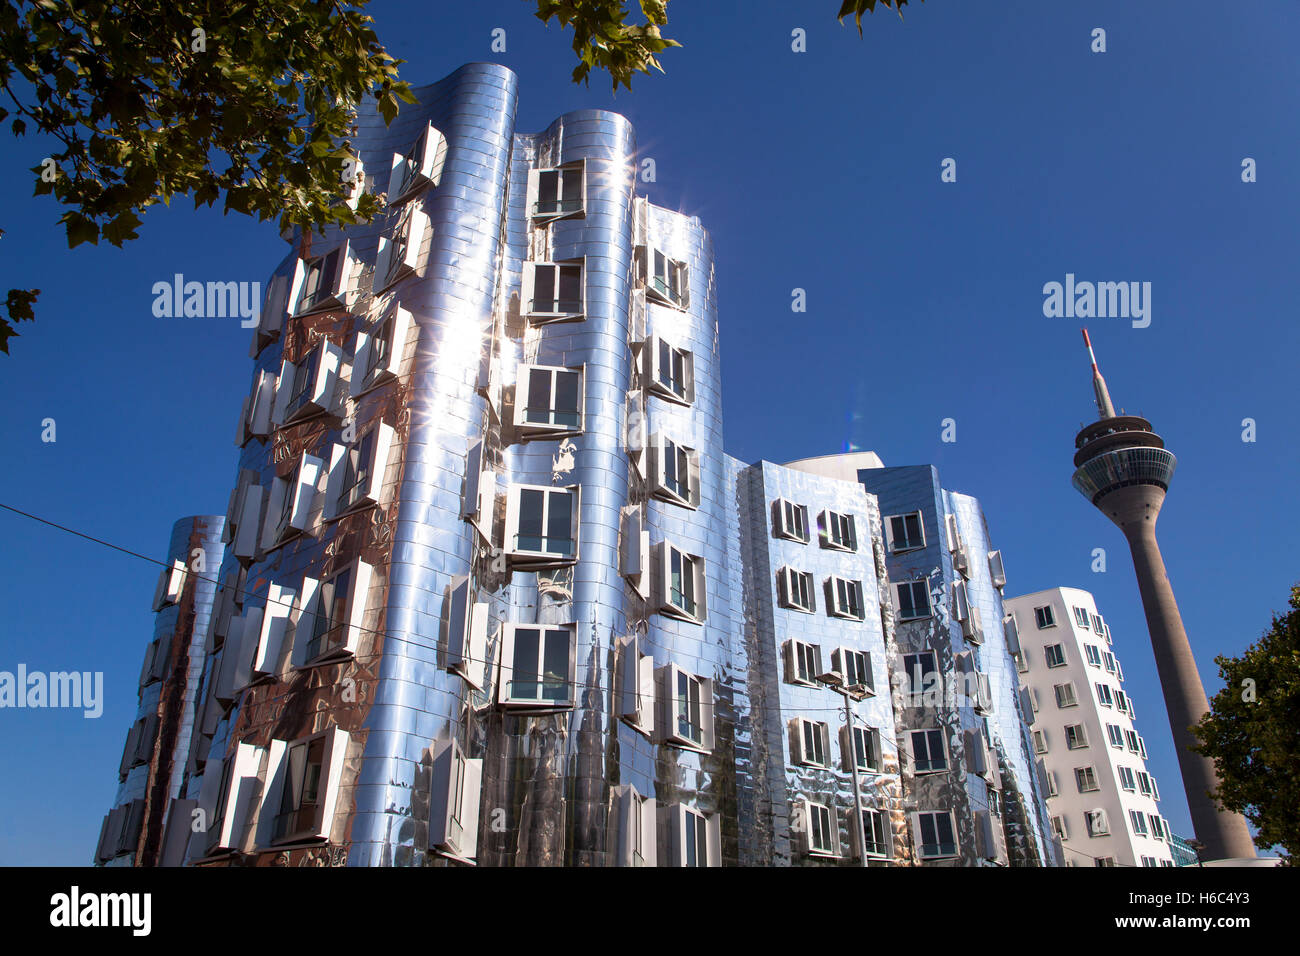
(1123, 468)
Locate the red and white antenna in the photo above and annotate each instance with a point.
(1104, 407)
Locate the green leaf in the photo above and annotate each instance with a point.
(122, 228)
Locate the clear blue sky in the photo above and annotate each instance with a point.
(818, 171)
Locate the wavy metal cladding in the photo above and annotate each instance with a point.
(181, 630)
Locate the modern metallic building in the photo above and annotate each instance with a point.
(1123, 468)
(137, 830)
(493, 594)
(1103, 801)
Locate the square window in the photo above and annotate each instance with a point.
(844, 598)
(670, 371)
(676, 472)
(874, 834)
(1139, 822)
(795, 589)
(1054, 655)
(1092, 654)
(694, 838)
(821, 831)
(537, 666)
(790, 520)
(1115, 734)
(1045, 617)
(356, 471)
(548, 400)
(329, 624)
(1104, 696)
(420, 166)
(1076, 738)
(921, 672)
(1097, 823)
(552, 291)
(1085, 779)
(308, 388)
(1081, 616)
(913, 600)
(837, 531)
(303, 783)
(905, 532)
(683, 585)
(803, 663)
(1126, 778)
(853, 670)
(556, 193)
(810, 742)
(937, 836)
(929, 752)
(542, 525)
(1065, 696)
(865, 749)
(400, 254)
(323, 281)
(689, 703)
(666, 280)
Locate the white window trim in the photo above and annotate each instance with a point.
(565, 170)
(779, 521)
(334, 292)
(790, 653)
(668, 675)
(278, 767)
(507, 644)
(659, 468)
(653, 293)
(405, 178)
(543, 429)
(675, 817)
(521, 557)
(997, 571)
(839, 669)
(417, 229)
(888, 523)
(171, 582)
(634, 817)
(635, 553)
(824, 531)
(849, 752)
(359, 580)
(916, 830)
(807, 808)
(478, 501)
(699, 580)
(300, 488)
(368, 494)
(833, 608)
(326, 360)
(365, 378)
(455, 795)
(653, 372)
(786, 591)
(528, 292)
(467, 632)
(799, 754)
(636, 677)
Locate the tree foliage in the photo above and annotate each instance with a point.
(1252, 732)
(247, 101)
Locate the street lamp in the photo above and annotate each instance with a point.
(851, 692)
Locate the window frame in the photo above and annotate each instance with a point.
(841, 592)
(526, 557)
(919, 833)
(529, 289)
(787, 513)
(891, 539)
(523, 393)
(670, 490)
(372, 368)
(698, 612)
(898, 599)
(654, 356)
(930, 761)
(564, 173)
(509, 642)
(837, 531)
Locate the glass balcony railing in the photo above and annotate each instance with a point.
(554, 207)
(541, 544)
(1125, 466)
(555, 307)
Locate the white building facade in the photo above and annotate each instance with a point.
(1103, 802)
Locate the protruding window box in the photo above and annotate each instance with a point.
(819, 834)
(997, 573)
(844, 598)
(675, 472)
(557, 193)
(455, 789)
(548, 401)
(356, 475)
(636, 686)
(171, 581)
(666, 280)
(634, 818)
(266, 656)
(379, 351)
(669, 371)
(690, 837)
(308, 387)
(401, 253)
(292, 499)
(542, 526)
(686, 709)
(810, 742)
(329, 625)
(467, 627)
(324, 281)
(419, 167)
(255, 416)
(681, 584)
(537, 666)
(635, 553)
(795, 590)
(303, 782)
(478, 502)
(851, 670)
(790, 520)
(240, 783)
(837, 532)
(553, 291)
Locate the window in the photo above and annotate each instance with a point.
(1097, 823)
(795, 589)
(670, 371)
(419, 166)
(1097, 625)
(921, 672)
(399, 255)
(329, 624)
(873, 832)
(1065, 696)
(1144, 782)
(1022, 661)
(1052, 787)
(537, 665)
(555, 193)
(303, 783)
(694, 838)
(790, 520)
(308, 387)
(844, 598)
(1149, 861)
(1103, 695)
(676, 472)
(913, 600)
(937, 837)
(1122, 703)
(323, 281)
(837, 531)
(552, 291)
(1045, 617)
(478, 500)
(666, 280)
(1155, 790)
(548, 400)
(1081, 616)
(255, 416)
(1126, 779)
(1115, 735)
(636, 552)
(379, 351)
(1076, 738)
(1105, 861)
(1033, 698)
(636, 827)
(690, 708)
(156, 658)
(1040, 741)
(454, 801)
(1092, 654)
(356, 474)
(1085, 778)
(171, 581)
(542, 525)
(821, 835)
(1157, 827)
(1131, 738)
(637, 686)
(292, 499)
(1119, 670)
(683, 584)
(810, 742)
(929, 753)
(865, 749)
(997, 574)
(853, 669)
(1060, 828)
(467, 623)
(905, 532)
(1054, 655)
(1109, 659)
(1139, 822)
(803, 663)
